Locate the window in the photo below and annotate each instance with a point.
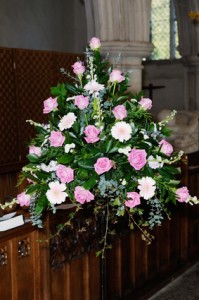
(164, 32)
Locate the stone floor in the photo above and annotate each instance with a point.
(184, 287)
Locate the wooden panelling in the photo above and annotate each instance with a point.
(132, 269)
(26, 77)
(9, 140)
(34, 77)
(5, 270)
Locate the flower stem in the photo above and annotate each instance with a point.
(86, 119)
(146, 236)
(105, 234)
(114, 86)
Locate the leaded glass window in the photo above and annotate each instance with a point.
(164, 31)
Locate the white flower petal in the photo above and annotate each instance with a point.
(121, 131)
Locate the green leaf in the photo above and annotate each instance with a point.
(148, 171)
(174, 182)
(171, 169)
(65, 159)
(59, 91)
(116, 202)
(40, 129)
(39, 209)
(164, 174)
(114, 150)
(33, 188)
(87, 163)
(122, 98)
(71, 88)
(108, 145)
(99, 253)
(89, 184)
(29, 176)
(33, 158)
(42, 175)
(95, 152)
(82, 174)
(120, 212)
(140, 95)
(76, 127)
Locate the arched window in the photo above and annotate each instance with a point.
(164, 31)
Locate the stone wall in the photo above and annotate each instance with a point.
(171, 75)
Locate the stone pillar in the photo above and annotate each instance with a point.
(189, 49)
(123, 28)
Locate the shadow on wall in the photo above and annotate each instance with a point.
(43, 25)
(167, 74)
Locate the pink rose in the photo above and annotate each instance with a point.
(49, 105)
(95, 43)
(133, 199)
(23, 199)
(120, 112)
(78, 68)
(182, 194)
(81, 102)
(56, 139)
(146, 103)
(91, 133)
(116, 76)
(82, 195)
(103, 165)
(166, 147)
(65, 174)
(137, 158)
(35, 150)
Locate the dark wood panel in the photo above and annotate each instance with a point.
(129, 266)
(9, 140)
(26, 77)
(5, 270)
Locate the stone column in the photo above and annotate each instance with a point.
(123, 28)
(189, 49)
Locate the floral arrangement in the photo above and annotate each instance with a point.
(101, 150)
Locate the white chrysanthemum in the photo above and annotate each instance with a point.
(93, 86)
(155, 162)
(44, 167)
(49, 168)
(121, 131)
(56, 194)
(147, 187)
(67, 121)
(125, 150)
(52, 165)
(69, 147)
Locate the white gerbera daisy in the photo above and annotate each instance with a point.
(121, 131)
(67, 121)
(56, 194)
(147, 187)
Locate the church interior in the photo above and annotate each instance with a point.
(37, 39)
